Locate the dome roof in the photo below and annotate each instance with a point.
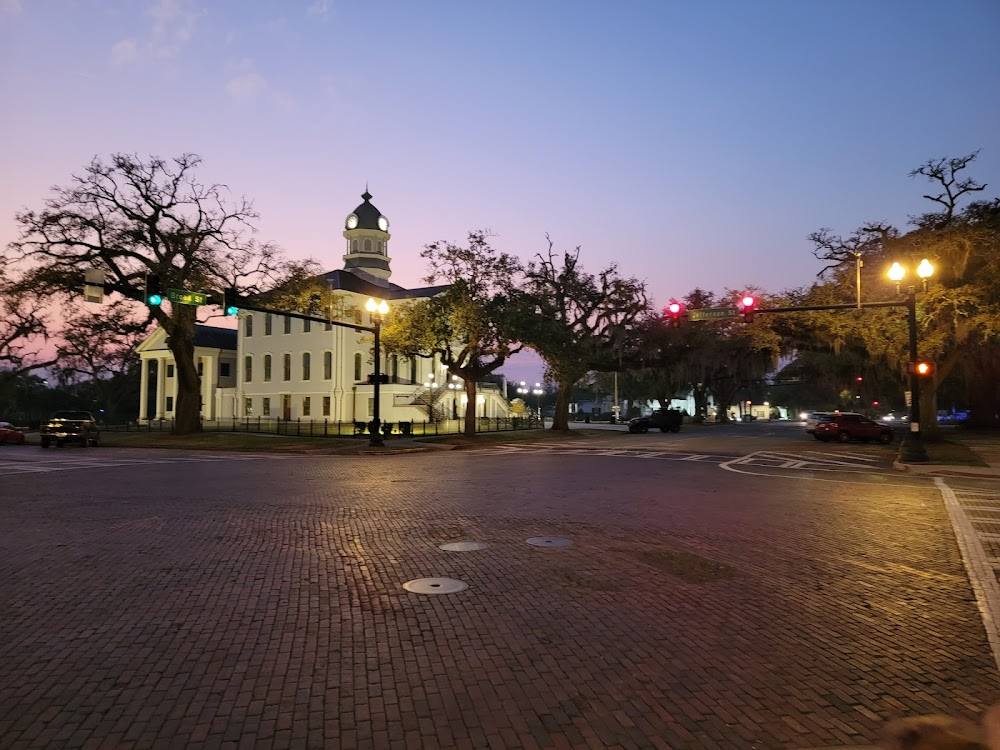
(367, 214)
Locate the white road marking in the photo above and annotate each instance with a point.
(977, 564)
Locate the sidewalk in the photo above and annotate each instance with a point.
(985, 448)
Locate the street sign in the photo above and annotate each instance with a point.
(713, 313)
(184, 297)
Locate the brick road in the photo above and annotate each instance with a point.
(260, 604)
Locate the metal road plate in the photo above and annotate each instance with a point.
(435, 586)
(549, 541)
(463, 546)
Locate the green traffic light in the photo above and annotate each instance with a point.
(154, 299)
(232, 310)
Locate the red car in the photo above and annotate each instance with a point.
(846, 427)
(10, 434)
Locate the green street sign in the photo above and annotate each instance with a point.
(713, 313)
(183, 297)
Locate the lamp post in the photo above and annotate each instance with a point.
(454, 387)
(538, 394)
(378, 310)
(912, 448)
(523, 391)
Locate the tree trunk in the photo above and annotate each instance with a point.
(723, 395)
(187, 410)
(929, 428)
(700, 403)
(470, 408)
(560, 419)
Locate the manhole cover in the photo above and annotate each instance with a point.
(463, 546)
(549, 541)
(435, 586)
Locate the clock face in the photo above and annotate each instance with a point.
(383, 223)
(352, 221)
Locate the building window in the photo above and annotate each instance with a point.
(288, 324)
(381, 247)
(368, 245)
(306, 365)
(354, 246)
(267, 368)
(306, 405)
(170, 403)
(329, 326)
(265, 406)
(268, 324)
(357, 366)
(248, 369)
(170, 371)
(327, 365)
(248, 407)
(306, 326)
(287, 366)
(249, 328)
(224, 369)
(201, 368)
(326, 406)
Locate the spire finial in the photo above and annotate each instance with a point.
(366, 195)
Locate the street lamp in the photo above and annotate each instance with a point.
(378, 311)
(913, 447)
(454, 387)
(538, 393)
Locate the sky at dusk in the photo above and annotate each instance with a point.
(695, 144)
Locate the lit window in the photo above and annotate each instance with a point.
(265, 407)
(248, 407)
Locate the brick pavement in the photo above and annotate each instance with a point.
(259, 604)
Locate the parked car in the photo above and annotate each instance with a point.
(10, 434)
(847, 426)
(71, 427)
(668, 420)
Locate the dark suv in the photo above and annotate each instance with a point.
(71, 427)
(847, 426)
(668, 420)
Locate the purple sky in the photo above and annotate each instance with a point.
(695, 144)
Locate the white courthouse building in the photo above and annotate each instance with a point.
(277, 367)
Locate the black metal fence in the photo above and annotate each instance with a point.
(327, 428)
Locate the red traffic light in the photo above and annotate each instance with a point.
(674, 308)
(859, 378)
(748, 303)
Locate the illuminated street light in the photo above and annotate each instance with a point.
(913, 447)
(378, 311)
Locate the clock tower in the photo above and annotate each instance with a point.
(367, 233)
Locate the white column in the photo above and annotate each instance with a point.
(161, 382)
(174, 389)
(208, 387)
(143, 390)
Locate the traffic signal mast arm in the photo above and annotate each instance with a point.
(810, 308)
(244, 305)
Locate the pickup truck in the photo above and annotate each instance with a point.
(668, 420)
(71, 427)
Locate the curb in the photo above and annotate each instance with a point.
(974, 472)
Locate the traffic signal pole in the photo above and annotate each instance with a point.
(912, 449)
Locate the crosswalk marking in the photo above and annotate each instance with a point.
(59, 463)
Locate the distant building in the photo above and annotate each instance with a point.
(274, 366)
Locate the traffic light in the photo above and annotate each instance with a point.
(154, 290)
(674, 311)
(230, 302)
(747, 305)
(923, 369)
